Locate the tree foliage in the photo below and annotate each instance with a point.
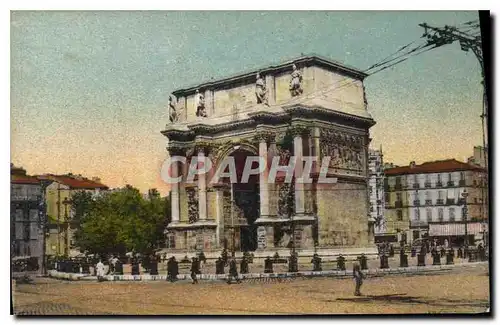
(121, 221)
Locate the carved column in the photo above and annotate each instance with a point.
(264, 138)
(298, 134)
(174, 187)
(202, 187)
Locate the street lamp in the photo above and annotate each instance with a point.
(464, 195)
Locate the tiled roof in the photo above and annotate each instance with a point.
(74, 182)
(23, 179)
(439, 166)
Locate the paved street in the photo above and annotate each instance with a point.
(463, 290)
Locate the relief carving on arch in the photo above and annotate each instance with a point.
(286, 199)
(345, 150)
(192, 198)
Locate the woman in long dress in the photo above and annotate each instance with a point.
(100, 270)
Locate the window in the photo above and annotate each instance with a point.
(440, 214)
(26, 231)
(439, 178)
(387, 197)
(452, 214)
(27, 249)
(19, 215)
(428, 212)
(441, 195)
(398, 181)
(400, 215)
(17, 248)
(170, 240)
(34, 229)
(417, 214)
(475, 200)
(450, 180)
(462, 176)
(34, 215)
(398, 197)
(16, 191)
(427, 195)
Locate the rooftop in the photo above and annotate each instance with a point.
(304, 60)
(74, 181)
(438, 166)
(18, 176)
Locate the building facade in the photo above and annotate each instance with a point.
(61, 224)
(376, 191)
(420, 197)
(297, 108)
(479, 157)
(27, 218)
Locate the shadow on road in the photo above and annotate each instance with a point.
(402, 298)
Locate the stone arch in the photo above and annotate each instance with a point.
(232, 146)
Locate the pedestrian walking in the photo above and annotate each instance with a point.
(195, 269)
(233, 271)
(100, 271)
(358, 278)
(172, 269)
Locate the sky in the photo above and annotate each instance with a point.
(89, 90)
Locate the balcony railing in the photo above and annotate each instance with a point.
(450, 183)
(439, 201)
(416, 202)
(450, 202)
(398, 187)
(428, 202)
(418, 223)
(427, 184)
(398, 204)
(439, 184)
(461, 182)
(416, 185)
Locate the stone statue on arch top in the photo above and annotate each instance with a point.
(172, 110)
(296, 82)
(200, 106)
(261, 92)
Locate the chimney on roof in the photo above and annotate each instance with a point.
(412, 164)
(96, 179)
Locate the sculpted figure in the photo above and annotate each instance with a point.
(261, 90)
(173, 115)
(200, 110)
(296, 82)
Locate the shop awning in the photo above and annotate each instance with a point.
(457, 229)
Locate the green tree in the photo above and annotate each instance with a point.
(81, 203)
(123, 221)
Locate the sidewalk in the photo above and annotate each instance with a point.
(213, 277)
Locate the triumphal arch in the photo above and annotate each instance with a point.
(307, 107)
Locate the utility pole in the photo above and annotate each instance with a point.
(446, 35)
